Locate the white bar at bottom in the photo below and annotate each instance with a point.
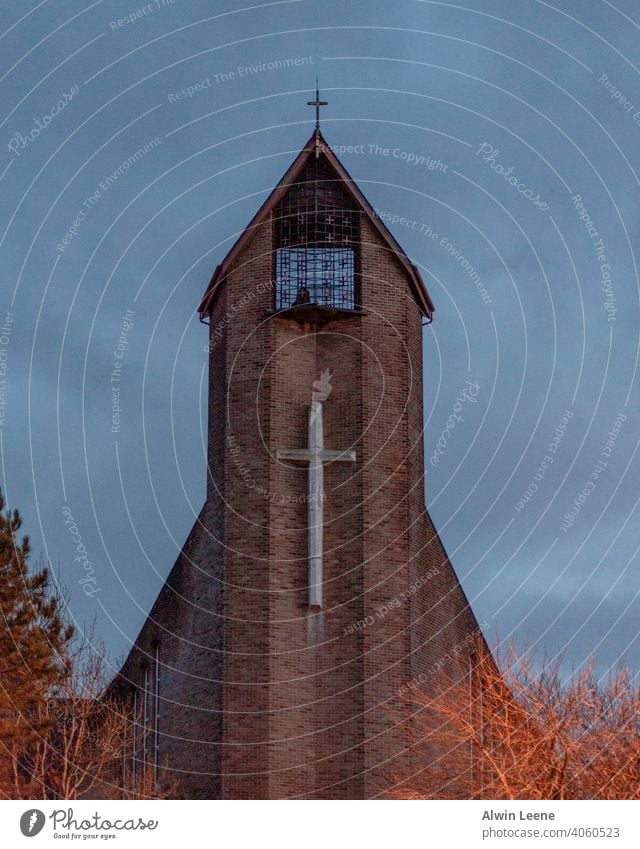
(285, 824)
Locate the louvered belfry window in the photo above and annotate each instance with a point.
(317, 237)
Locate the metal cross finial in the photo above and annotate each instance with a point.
(317, 103)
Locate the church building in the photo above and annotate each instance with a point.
(313, 592)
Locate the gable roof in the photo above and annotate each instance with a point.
(317, 145)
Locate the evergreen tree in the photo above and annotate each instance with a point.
(34, 639)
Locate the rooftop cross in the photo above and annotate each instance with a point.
(317, 103)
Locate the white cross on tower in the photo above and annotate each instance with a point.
(315, 455)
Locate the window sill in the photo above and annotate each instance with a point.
(316, 312)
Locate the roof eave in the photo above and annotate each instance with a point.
(317, 140)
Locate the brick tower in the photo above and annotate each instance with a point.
(313, 588)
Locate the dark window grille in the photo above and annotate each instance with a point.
(323, 276)
(317, 230)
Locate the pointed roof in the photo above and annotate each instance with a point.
(317, 145)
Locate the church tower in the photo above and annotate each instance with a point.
(313, 591)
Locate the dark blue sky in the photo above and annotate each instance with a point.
(118, 193)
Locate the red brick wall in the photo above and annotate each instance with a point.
(265, 699)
